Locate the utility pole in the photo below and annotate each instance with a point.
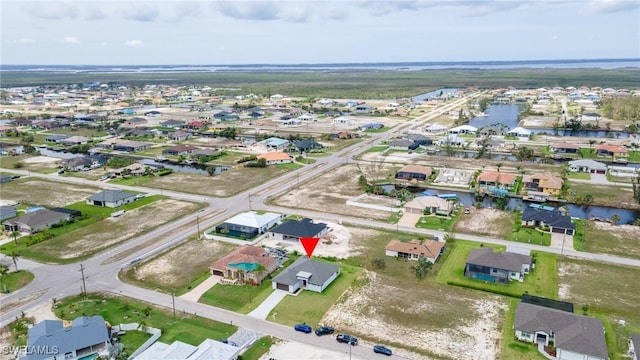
(84, 285)
(250, 202)
(173, 300)
(198, 222)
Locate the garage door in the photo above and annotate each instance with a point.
(282, 287)
(601, 171)
(558, 230)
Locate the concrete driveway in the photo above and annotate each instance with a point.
(600, 179)
(557, 239)
(409, 220)
(263, 310)
(195, 294)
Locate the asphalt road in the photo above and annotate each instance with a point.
(58, 281)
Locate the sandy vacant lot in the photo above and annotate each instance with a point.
(339, 242)
(286, 350)
(330, 191)
(49, 193)
(110, 231)
(170, 268)
(485, 221)
(440, 320)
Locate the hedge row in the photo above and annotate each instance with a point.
(483, 288)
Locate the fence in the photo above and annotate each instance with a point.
(155, 334)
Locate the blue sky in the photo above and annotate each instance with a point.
(287, 32)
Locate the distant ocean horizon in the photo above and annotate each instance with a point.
(391, 66)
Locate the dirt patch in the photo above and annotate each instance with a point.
(438, 320)
(170, 269)
(41, 160)
(285, 349)
(618, 231)
(46, 192)
(484, 221)
(339, 242)
(110, 231)
(330, 191)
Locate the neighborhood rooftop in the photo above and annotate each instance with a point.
(300, 228)
(504, 260)
(320, 271)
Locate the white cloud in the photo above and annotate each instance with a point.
(70, 40)
(51, 10)
(95, 14)
(611, 6)
(24, 41)
(134, 43)
(144, 13)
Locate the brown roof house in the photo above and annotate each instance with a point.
(496, 179)
(415, 249)
(410, 172)
(245, 265)
(574, 336)
(429, 205)
(484, 264)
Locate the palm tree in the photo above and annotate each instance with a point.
(498, 165)
(615, 218)
(15, 236)
(591, 142)
(421, 268)
(4, 271)
(14, 256)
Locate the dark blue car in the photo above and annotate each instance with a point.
(303, 327)
(380, 349)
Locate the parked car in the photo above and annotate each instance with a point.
(347, 339)
(324, 330)
(380, 349)
(467, 211)
(303, 328)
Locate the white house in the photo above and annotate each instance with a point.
(307, 274)
(435, 128)
(576, 337)
(519, 132)
(207, 350)
(588, 166)
(463, 129)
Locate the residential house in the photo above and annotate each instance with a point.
(496, 179)
(179, 135)
(463, 129)
(86, 336)
(452, 140)
(590, 116)
(5, 129)
(417, 172)
(196, 125)
(588, 166)
(5, 179)
(204, 152)
(226, 116)
(564, 148)
(611, 150)
(573, 336)
(111, 198)
(293, 230)
(247, 264)
(400, 144)
(415, 249)
(134, 122)
(519, 132)
(33, 222)
(179, 150)
(7, 212)
(486, 265)
(492, 130)
(372, 126)
(429, 205)
(307, 274)
(540, 218)
(249, 224)
(55, 138)
(305, 117)
(77, 163)
(419, 140)
(342, 120)
(634, 346)
(435, 128)
(134, 169)
(274, 143)
(306, 145)
(76, 140)
(275, 157)
(11, 149)
(172, 123)
(545, 183)
(364, 109)
(123, 145)
(207, 350)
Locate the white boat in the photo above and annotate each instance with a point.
(482, 115)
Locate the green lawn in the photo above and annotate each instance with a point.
(512, 349)
(309, 306)
(258, 349)
(133, 339)
(541, 281)
(289, 166)
(634, 155)
(602, 238)
(435, 223)
(17, 279)
(531, 236)
(579, 175)
(587, 153)
(377, 148)
(241, 298)
(116, 310)
(604, 195)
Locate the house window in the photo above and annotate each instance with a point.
(525, 334)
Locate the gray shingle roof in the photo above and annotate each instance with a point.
(111, 196)
(36, 219)
(302, 228)
(504, 260)
(84, 332)
(577, 333)
(320, 271)
(552, 218)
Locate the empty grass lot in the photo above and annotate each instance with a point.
(309, 306)
(602, 195)
(242, 299)
(258, 349)
(601, 237)
(17, 279)
(45, 192)
(541, 281)
(607, 291)
(116, 310)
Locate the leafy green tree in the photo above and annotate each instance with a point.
(615, 218)
(421, 268)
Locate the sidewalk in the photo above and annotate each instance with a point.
(195, 294)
